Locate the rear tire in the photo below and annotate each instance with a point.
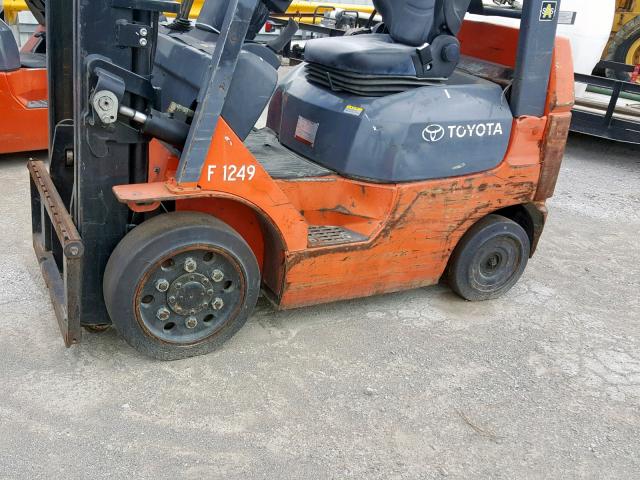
(625, 48)
(489, 260)
(180, 285)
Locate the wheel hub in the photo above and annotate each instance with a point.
(196, 303)
(190, 294)
(496, 263)
(493, 262)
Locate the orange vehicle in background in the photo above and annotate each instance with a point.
(23, 93)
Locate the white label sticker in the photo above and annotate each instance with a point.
(306, 131)
(567, 18)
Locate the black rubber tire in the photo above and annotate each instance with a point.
(620, 45)
(494, 238)
(141, 251)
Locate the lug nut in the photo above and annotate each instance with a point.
(217, 276)
(191, 323)
(190, 265)
(163, 314)
(162, 285)
(217, 304)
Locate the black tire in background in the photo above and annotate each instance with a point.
(180, 285)
(489, 259)
(623, 42)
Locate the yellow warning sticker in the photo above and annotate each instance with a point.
(548, 11)
(353, 110)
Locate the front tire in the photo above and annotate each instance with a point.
(180, 285)
(489, 260)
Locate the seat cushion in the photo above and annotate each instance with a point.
(33, 60)
(370, 54)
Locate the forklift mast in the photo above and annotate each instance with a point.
(100, 61)
(102, 57)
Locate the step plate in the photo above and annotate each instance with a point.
(322, 236)
(280, 162)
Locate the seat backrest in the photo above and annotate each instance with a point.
(416, 22)
(9, 53)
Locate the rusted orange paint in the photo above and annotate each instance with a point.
(411, 229)
(552, 153)
(426, 222)
(358, 206)
(21, 128)
(561, 96)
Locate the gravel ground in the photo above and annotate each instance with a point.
(544, 383)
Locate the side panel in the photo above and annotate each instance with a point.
(23, 121)
(414, 247)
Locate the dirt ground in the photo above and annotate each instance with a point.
(544, 383)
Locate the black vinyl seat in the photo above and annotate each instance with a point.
(420, 45)
(371, 54)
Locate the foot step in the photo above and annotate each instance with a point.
(322, 236)
(31, 104)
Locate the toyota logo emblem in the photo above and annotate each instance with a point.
(433, 133)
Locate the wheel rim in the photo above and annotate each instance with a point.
(495, 264)
(190, 295)
(633, 54)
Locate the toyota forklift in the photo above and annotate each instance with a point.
(419, 150)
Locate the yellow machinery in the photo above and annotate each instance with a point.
(625, 38)
(12, 7)
(304, 12)
(624, 46)
(312, 12)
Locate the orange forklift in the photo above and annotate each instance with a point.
(417, 150)
(23, 89)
